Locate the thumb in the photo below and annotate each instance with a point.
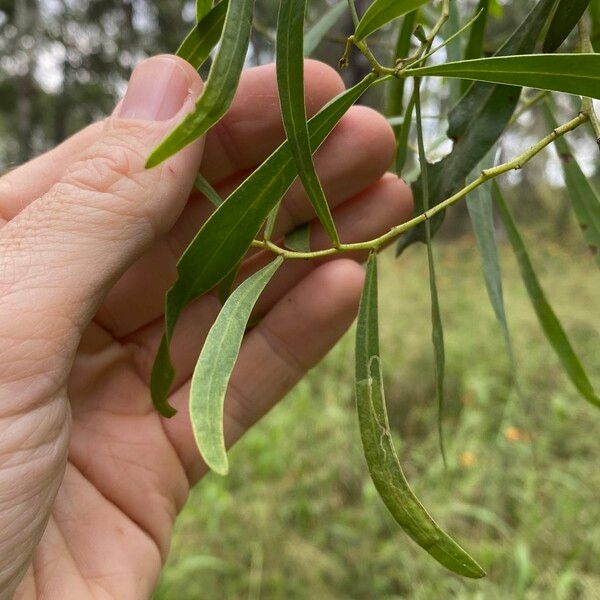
(60, 255)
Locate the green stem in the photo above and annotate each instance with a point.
(377, 243)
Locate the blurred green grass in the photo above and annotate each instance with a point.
(299, 518)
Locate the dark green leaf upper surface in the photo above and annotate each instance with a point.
(204, 36)
(220, 87)
(290, 82)
(577, 74)
(565, 19)
(226, 236)
(381, 12)
(215, 365)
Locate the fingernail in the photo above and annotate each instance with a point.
(157, 90)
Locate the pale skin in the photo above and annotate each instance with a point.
(91, 477)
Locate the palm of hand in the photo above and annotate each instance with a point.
(128, 471)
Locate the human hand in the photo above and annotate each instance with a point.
(91, 477)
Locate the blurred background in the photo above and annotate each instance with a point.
(298, 517)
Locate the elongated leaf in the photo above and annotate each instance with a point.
(299, 239)
(381, 12)
(204, 187)
(380, 453)
(565, 19)
(474, 48)
(215, 365)
(396, 87)
(595, 14)
(204, 36)
(577, 74)
(548, 320)
(403, 135)
(480, 207)
(290, 82)
(314, 36)
(220, 87)
(475, 124)
(202, 9)
(227, 234)
(453, 49)
(584, 197)
(437, 332)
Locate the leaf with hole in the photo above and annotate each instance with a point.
(380, 454)
(215, 365)
(220, 87)
(382, 12)
(290, 83)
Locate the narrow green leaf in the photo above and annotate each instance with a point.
(475, 124)
(395, 88)
(290, 81)
(381, 12)
(207, 190)
(584, 197)
(453, 48)
(481, 214)
(595, 14)
(215, 365)
(299, 239)
(220, 87)
(202, 9)
(403, 135)
(577, 74)
(322, 26)
(204, 36)
(474, 47)
(548, 320)
(437, 332)
(226, 286)
(226, 236)
(565, 19)
(382, 460)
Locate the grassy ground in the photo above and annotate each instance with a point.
(299, 518)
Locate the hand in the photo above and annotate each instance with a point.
(91, 477)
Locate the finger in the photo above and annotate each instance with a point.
(23, 185)
(355, 156)
(369, 215)
(252, 128)
(61, 254)
(295, 335)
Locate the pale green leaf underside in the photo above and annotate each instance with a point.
(577, 74)
(215, 365)
(299, 239)
(380, 453)
(381, 12)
